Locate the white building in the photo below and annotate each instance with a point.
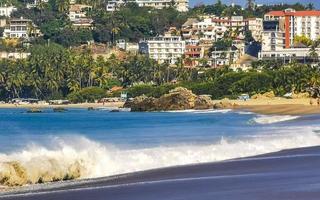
(20, 28)
(213, 28)
(7, 10)
(166, 48)
(180, 5)
(78, 15)
(255, 25)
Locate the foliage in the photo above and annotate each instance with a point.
(89, 94)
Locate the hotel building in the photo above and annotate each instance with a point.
(166, 48)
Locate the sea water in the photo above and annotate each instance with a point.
(49, 146)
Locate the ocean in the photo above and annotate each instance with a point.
(82, 144)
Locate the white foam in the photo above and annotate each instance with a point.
(201, 111)
(270, 119)
(97, 160)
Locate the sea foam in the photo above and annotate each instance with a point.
(270, 119)
(78, 157)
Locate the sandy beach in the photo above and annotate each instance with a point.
(263, 106)
(279, 106)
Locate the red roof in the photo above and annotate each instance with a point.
(296, 13)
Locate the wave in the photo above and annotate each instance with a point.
(78, 157)
(270, 119)
(201, 111)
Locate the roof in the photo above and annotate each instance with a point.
(78, 7)
(295, 13)
(190, 22)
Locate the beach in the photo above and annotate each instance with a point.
(278, 106)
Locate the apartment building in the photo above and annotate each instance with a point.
(280, 29)
(7, 10)
(20, 28)
(297, 23)
(180, 5)
(167, 48)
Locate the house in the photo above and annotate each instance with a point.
(20, 28)
(78, 15)
(7, 10)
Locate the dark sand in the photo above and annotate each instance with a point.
(286, 175)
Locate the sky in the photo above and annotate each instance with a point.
(242, 2)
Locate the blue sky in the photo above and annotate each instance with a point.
(242, 2)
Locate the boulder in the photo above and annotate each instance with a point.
(203, 102)
(267, 95)
(177, 99)
(141, 103)
(223, 105)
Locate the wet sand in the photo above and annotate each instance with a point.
(286, 175)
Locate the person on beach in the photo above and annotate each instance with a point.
(311, 102)
(318, 101)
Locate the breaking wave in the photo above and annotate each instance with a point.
(79, 157)
(270, 119)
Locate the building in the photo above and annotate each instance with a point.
(78, 15)
(7, 10)
(20, 28)
(180, 5)
(166, 48)
(127, 46)
(255, 25)
(280, 29)
(213, 28)
(13, 55)
(296, 23)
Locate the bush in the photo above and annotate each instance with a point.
(150, 90)
(90, 94)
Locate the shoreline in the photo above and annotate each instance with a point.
(275, 106)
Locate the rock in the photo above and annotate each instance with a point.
(223, 105)
(304, 95)
(203, 102)
(34, 110)
(59, 109)
(141, 103)
(267, 95)
(177, 99)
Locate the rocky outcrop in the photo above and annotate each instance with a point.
(223, 104)
(203, 102)
(267, 95)
(141, 103)
(177, 99)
